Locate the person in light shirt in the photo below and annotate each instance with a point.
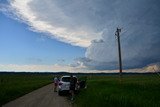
(55, 83)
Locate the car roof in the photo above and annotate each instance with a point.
(67, 76)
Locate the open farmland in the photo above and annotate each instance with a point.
(132, 91)
(16, 85)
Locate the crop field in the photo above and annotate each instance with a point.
(16, 85)
(131, 91)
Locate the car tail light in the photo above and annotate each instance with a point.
(60, 83)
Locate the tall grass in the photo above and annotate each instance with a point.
(16, 85)
(132, 91)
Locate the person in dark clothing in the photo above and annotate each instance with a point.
(73, 82)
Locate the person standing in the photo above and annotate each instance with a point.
(73, 82)
(56, 81)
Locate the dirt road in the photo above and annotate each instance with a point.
(43, 97)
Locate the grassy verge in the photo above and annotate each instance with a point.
(132, 91)
(16, 85)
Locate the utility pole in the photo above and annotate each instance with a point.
(119, 50)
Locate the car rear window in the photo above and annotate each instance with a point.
(66, 79)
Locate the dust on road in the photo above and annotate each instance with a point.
(43, 97)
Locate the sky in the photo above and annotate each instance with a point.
(79, 36)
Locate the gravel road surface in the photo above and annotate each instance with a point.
(43, 97)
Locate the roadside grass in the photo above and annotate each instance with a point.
(13, 86)
(132, 91)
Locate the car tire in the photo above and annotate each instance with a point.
(60, 93)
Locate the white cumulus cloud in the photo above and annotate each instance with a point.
(66, 21)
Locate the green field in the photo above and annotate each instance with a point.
(102, 91)
(16, 85)
(132, 91)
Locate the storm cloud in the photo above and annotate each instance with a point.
(140, 37)
(92, 24)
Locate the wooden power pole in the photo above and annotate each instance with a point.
(119, 50)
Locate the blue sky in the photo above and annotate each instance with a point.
(19, 45)
(78, 36)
